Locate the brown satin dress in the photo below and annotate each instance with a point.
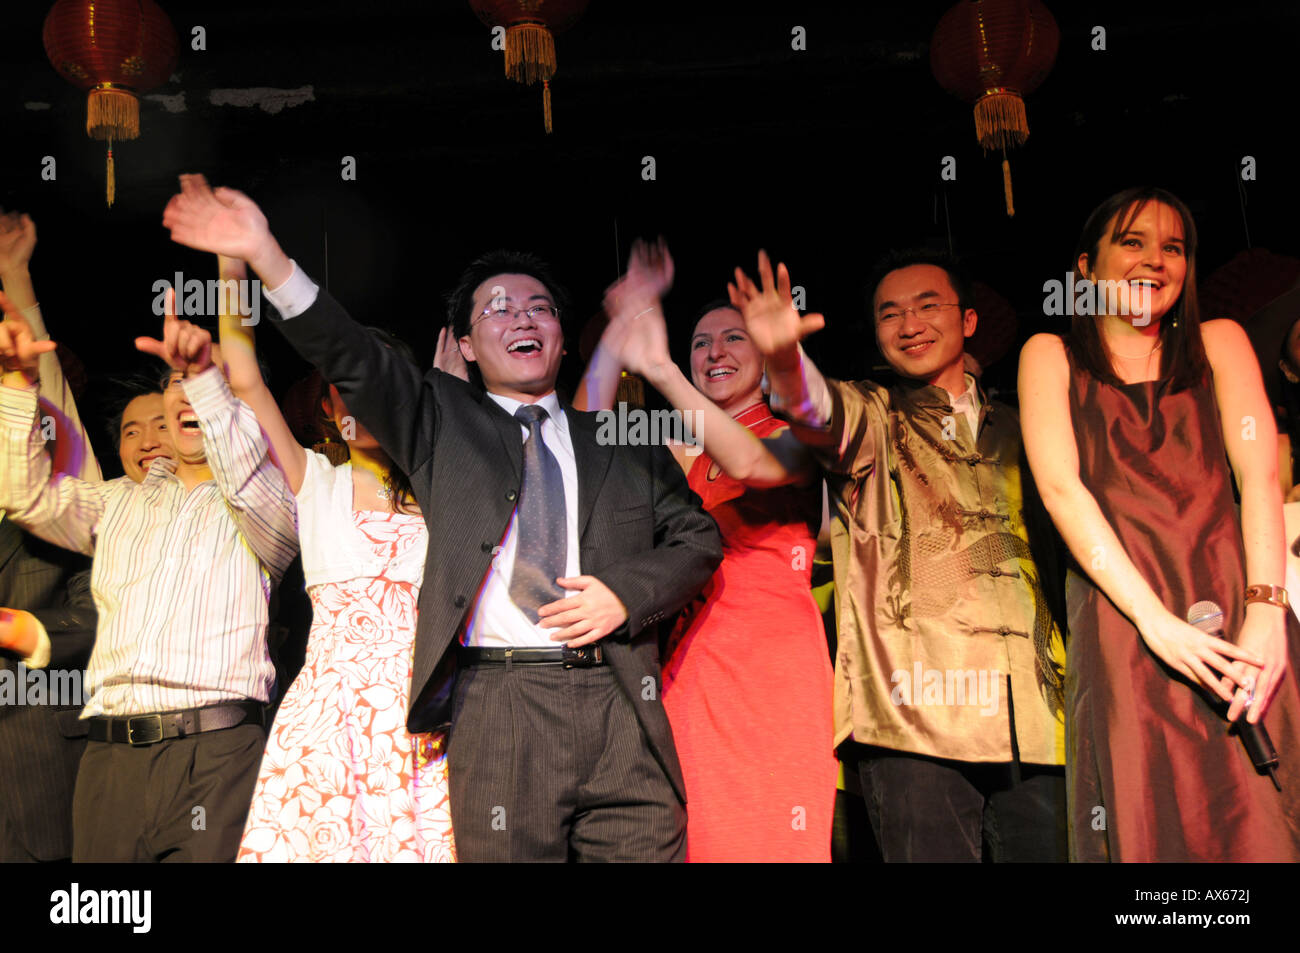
(1152, 773)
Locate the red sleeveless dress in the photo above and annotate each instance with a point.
(747, 682)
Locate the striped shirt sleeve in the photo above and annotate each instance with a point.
(62, 509)
(257, 493)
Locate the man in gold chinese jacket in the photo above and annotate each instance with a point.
(947, 674)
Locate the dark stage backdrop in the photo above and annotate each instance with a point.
(826, 156)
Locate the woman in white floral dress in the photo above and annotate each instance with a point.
(341, 779)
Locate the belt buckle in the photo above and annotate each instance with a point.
(157, 726)
(584, 657)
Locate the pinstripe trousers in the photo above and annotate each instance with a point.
(550, 764)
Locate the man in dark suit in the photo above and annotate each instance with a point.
(552, 558)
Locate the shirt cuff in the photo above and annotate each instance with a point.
(208, 393)
(40, 656)
(296, 295)
(18, 407)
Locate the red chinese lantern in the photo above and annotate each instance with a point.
(993, 53)
(116, 49)
(530, 26)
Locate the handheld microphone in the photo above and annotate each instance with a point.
(1208, 617)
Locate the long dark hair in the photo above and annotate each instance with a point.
(400, 495)
(1182, 359)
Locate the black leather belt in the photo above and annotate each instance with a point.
(149, 729)
(585, 657)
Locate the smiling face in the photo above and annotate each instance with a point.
(182, 423)
(1147, 259)
(518, 356)
(927, 341)
(725, 365)
(143, 436)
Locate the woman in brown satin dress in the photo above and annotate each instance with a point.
(1130, 424)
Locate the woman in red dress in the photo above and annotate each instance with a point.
(747, 680)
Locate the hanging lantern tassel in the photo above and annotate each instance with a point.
(530, 56)
(111, 176)
(112, 113)
(1001, 123)
(1006, 186)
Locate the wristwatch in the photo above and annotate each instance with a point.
(1273, 595)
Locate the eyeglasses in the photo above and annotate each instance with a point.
(537, 312)
(928, 310)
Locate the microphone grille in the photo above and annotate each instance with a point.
(1206, 616)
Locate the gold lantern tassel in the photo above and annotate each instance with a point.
(1000, 120)
(1006, 187)
(112, 177)
(546, 105)
(530, 53)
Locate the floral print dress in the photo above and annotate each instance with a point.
(341, 779)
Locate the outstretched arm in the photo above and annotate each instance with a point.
(61, 509)
(1054, 461)
(72, 450)
(239, 353)
(776, 327)
(386, 392)
(254, 489)
(649, 277)
(633, 304)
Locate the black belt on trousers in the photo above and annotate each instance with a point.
(585, 657)
(159, 726)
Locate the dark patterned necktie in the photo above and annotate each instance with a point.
(542, 527)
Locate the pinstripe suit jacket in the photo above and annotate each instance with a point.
(41, 745)
(641, 529)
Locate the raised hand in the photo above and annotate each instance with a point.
(185, 347)
(637, 336)
(17, 240)
(650, 268)
(447, 356)
(20, 352)
(222, 220)
(775, 326)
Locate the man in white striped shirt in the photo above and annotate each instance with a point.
(184, 564)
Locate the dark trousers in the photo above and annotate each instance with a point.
(550, 764)
(184, 799)
(935, 810)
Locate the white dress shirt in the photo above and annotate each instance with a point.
(181, 579)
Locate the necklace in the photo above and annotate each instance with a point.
(1136, 357)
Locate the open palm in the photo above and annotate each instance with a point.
(223, 221)
(775, 326)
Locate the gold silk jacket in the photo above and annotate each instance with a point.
(946, 640)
